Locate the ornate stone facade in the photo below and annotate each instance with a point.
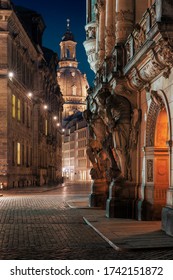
(130, 111)
(30, 98)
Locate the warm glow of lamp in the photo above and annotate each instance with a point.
(58, 124)
(30, 94)
(45, 107)
(55, 117)
(10, 75)
(63, 130)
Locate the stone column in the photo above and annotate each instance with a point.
(124, 19)
(101, 37)
(109, 27)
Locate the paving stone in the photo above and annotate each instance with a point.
(43, 226)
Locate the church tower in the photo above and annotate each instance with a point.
(72, 82)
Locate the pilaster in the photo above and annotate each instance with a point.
(124, 19)
(109, 27)
(101, 37)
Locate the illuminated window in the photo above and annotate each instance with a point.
(18, 110)
(13, 105)
(13, 152)
(18, 153)
(74, 89)
(46, 127)
(23, 155)
(27, 156)
(28, 113)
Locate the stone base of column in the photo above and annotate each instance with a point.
(121, 201)
(167, 220)
(116, 208)
(99, 193)
(150, 211)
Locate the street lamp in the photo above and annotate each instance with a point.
(10, 75)
(45, 107)
(30, 94)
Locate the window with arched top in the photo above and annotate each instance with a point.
(74, 89)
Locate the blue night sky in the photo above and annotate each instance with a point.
(55, 14)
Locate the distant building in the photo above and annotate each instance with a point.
(30, 101)
(76, 165)
(73, 85)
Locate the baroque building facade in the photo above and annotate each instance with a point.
(30, 140)
(129, 45)
(73, 85)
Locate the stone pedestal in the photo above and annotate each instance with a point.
(167, 214)
(99, 193)
(121, 201)
(167, 220)
(150, 211)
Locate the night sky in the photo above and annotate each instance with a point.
(55, 14)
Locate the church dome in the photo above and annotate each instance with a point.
(73, 84)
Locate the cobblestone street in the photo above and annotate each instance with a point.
(43, 226)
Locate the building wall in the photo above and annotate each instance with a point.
(76, 165)
(132, 171)
(29, 136)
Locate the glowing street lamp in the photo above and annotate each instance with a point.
(30, 94)
(45, 107)
(10, 75)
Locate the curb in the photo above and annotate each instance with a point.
(103, 236)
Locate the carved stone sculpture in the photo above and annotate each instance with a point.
(119, 116)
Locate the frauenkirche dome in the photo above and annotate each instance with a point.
(72, 82)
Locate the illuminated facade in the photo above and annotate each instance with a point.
(30, 140)
(73, 85)
(129, 45)
(76, 165)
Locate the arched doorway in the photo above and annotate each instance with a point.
(157, 157)
(161, 158)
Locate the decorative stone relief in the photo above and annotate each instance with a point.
(91, 32)
(165, 55)
(129, 48)
(139, 36)
(150, 70)
(135, 79)
(157, 99)
(100, 5)
(153, 15)
(156, 105)
(150, 170)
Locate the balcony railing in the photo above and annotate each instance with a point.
(140, 34)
